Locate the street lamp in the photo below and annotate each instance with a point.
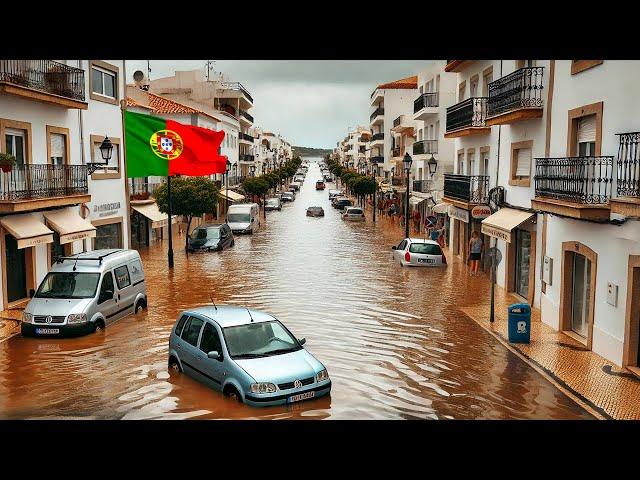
(106, 149)
(406, 161)
(433, 166)
(252, 170)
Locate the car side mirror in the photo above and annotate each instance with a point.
(32, 293)
(302, 341)
(394, 247)
(215, 355)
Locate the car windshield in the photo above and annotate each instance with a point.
(205, 233)
(68, 285)
(425, 248)
(259, 340)
(272, 201)
(354, 211)
(239, 217)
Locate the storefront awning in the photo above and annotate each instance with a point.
(416, 199)
(501, 223)
(440, 208)
(153, 213)
(69, 225)
(27, 229)
(231, 195)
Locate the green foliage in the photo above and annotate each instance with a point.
(7, 159)
(190, 196)
(363, 185)
(256, 185)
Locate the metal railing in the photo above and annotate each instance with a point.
(398, 181)
(376, 112)
(425, 146)
(25, 182)
(377, 136)
(585, 180)
(520, 89)
(245, 115)
(471, 112)
(44, 75)
(244, 157)
(237, 86)
(426, 100)
(466, 188)
(423, 186)
(628, 180)
(397, 121)
(377, 159)
(245, 136)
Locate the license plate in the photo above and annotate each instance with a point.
(47, 331)
(301, 396)
(426, 260)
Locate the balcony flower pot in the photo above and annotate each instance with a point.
(7, 161)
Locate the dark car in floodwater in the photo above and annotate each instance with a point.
(211, 238)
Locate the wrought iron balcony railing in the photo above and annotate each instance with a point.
(244, 157)
(629, 165)
(397, 121)
(44, 75)
(423, 186)
(377, 136)
(26, 182)
(426, 100)
(471, 112)
(245, 115)
(377, 159)
(520, 89)
(466, 188)
(245, 136)
(376, 112)
(237, 86)
(425, 146)
(584, 180)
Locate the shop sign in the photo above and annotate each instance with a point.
(480, 211)
(106, 209)
(496, 233)
(459, 214)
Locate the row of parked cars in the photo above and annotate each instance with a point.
(345, 206)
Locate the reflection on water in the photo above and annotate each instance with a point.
(392, 338)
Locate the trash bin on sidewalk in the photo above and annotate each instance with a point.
(519, 323)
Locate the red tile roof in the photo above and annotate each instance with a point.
(164, 105)
(132, 103)
(409, 82)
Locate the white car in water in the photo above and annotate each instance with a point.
(419, 252)
(353, 214)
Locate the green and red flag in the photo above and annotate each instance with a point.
(155, 146)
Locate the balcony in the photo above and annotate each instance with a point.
(31, 187)
(627, 202)
(246, 158)
(577, 187)
(377, 139)
(465, 190)
(516, 97)
(245, 137)
(403, 123)
(425, 147)
(377, 116)
(426, 105)
(395, 152)
(457, 65)
(376, 96)
(422, 186)
(467, 118)
(237, 86)
(377, 159)
(45, 81)
(245, 116)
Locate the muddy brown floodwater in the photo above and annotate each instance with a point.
(393, 340)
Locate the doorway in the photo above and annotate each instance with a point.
(631, 350)
(15, 270)
(523, 261)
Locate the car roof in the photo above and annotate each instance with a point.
(110, 258)
(230, 315)
(211, 225)
(422, 240)
(353, 208)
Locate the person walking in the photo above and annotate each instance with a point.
(475, 248)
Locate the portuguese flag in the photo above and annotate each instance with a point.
(155, 146)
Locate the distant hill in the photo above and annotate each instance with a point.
(311, 152)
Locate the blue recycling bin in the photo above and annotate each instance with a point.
(519, 323)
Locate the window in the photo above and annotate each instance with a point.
(402, 245)
(107, 286)
(15, 143)
(122, 277)
(191, 331)
(460, 163)
(137, 273)
(57, 149)
(68, 285)
(471, 162)
(587, 136)
(584, 137)
(485, 163)
(473, 86)
(108, 236)
(521, 153)
(181, 322)
(461, 89)
(578, 66)
(425, 248)
(487, 78)
(104, 82)
(210, 341)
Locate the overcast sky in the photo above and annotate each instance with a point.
(312, 103)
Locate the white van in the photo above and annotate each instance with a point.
(244, 217)
(86, 292)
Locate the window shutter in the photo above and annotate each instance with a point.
(587, 129)
(57, 145)
(523, 162)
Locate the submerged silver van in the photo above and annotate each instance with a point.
(86, 292)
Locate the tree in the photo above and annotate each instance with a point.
(190, 196)
(255, 186)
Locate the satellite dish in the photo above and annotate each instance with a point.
(138, 76)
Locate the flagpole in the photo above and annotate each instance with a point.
(170, 254)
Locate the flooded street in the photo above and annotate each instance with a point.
(392, 338)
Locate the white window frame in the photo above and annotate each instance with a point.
(104, 71)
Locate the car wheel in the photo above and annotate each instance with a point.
(99, 326)
(138, 307)
(174, 366)
(233, 242)
(232, 393)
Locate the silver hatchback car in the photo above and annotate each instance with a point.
(247, 355)
(418, 252)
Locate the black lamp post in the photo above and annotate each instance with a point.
(433, 166)
(106, 149)
(406, 161)
(252, 170)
